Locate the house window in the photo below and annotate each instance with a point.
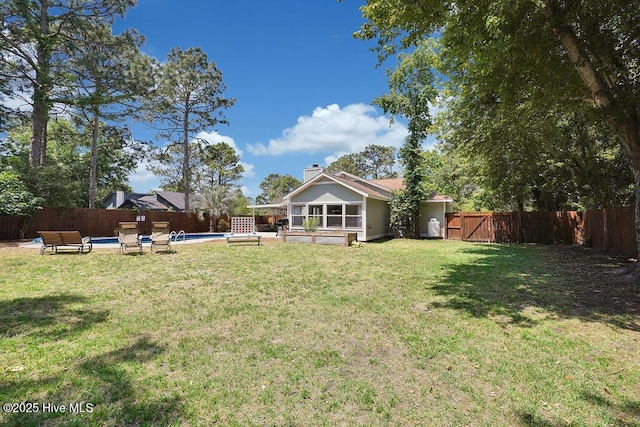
(334, 216)
(297, 215)
(317, 211)
(353, 217)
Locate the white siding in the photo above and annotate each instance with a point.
(377, 220)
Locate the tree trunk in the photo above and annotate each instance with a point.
(629, 134)
(416, 223)
(41, 89)
(38, 129)
(23, 227)
(623, 118)
(186, 168)
(93, 172)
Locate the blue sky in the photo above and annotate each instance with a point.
(303, 84)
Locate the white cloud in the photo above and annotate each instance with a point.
(249, 170)
(337, 131)
(142, 180)
(16, 103)
(215, 138)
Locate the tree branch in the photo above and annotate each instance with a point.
(578, 56)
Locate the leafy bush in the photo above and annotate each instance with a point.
(223, 225)
(16, 200)
(402, 214)
(310, 224)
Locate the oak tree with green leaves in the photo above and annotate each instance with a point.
(375, 162)
(275, 186)
(16, 200)
(524, 159)
(351, 163)
(547, 52)
(64, 179)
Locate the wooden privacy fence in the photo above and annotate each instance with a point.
(96, 222)
(102, 222)
(612, 229)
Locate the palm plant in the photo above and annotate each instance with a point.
(215, 202)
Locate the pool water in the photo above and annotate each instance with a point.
(147, 239)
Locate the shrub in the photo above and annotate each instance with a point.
(223, 225)
(310, 224)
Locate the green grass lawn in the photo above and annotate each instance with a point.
(392, 333)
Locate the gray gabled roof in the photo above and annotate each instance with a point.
(145, 203)
(173, 198)
(359, 185)
(380, 189)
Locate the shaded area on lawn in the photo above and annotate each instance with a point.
(520, 284)
(48, 317)
(626, 413)
(527, 285)
(106, 382)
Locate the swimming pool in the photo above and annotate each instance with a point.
(147, 239)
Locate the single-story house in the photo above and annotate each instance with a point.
(349, 203)
(158, 201)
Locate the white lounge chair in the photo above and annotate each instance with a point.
(129, 237)
(71, 240)
(160, 235)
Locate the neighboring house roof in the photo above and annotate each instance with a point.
(145, 203)
(160, 201)
(173, 198)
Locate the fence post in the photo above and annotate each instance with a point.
(519, 227)
(492, 230)
(605, 227)
(462, 230)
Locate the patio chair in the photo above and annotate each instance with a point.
(129, 237)
(70, 240)
(243, 229)
(160, 235)
(74, 239)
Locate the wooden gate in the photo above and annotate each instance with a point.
(454, 226)
(470, 227)
(477, 227)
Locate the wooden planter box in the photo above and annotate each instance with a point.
(320, 237)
